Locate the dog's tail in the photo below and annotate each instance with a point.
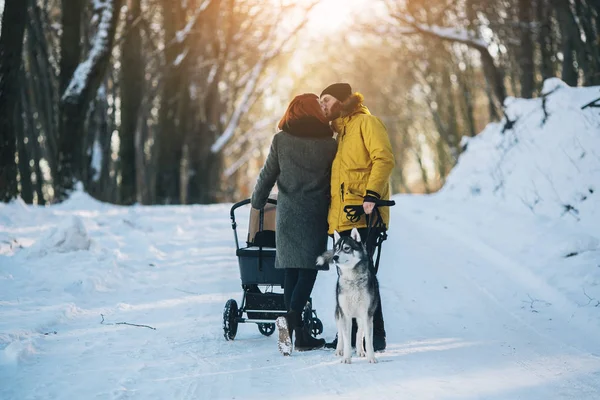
(325, 258)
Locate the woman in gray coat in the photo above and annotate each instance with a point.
(299, 161)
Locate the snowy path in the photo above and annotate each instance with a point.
(465, 320)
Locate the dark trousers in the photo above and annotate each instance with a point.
(297, 286)
(378, 324)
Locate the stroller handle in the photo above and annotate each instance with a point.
(243, 203)
(385, 203)
(232, 215)
(355, 211)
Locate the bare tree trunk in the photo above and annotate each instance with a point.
(145, 163)
(170, 138)
(113, 168)
(545, 39)
(424, 177)
(36, 156)
(20, 128)
(205, 166)
(400, 145)
(590, 49)
(493, 73)
(452, 137)
(39, 176)
(493, 111)
(79, 94)
(105, 182)
(464, 80)
(132, 84)
(42, 81)
(32, 135)
(568, 33)
(526, 49)
(14, 19)
(185, 118)
(443, 161)
(206, 186)
(595, 4)
(100, 132)
(512, 75)
(495, 76)
(70, 41)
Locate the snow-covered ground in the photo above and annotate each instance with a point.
(485, 296)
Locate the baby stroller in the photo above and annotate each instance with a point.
(257, 271)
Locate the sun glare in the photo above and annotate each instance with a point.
(329, 16)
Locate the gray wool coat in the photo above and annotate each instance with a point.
(301, 167)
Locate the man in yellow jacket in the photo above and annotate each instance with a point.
(360, 173)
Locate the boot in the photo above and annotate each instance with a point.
(304, 340)
(333, 344)
(286, 325)
(379, 342)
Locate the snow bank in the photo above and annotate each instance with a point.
(528, 186)
(547, 163)
(79, 199)
(16, 351)
(70, 235)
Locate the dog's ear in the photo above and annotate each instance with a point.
(355, 235)
(336, 236)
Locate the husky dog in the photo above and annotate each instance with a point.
(356, 295)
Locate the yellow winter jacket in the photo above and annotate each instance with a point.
(363, 164)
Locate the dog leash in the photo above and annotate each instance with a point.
(381, 236)
(376, 224)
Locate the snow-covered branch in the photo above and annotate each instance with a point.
(246, 98)
(460, 35)
(241, 107)
(181, 57)
(100, 51)
(494, 74)
(254, 95)
(386, 30)
(182, 35)
(256, 129)
(241, 161)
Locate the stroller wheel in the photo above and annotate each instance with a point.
(230, 323)
(316, 328)
(266, 329)
(314, 324)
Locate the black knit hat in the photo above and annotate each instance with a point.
(340, 91)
